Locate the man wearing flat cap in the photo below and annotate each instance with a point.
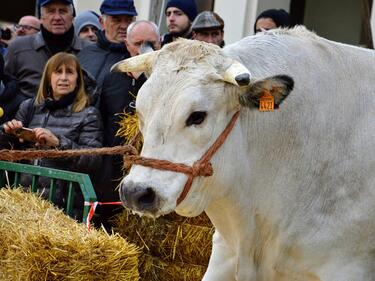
(208, 27)
(110, 48)
(27, 55)
(179, 16)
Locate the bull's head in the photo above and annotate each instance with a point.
(191, 95)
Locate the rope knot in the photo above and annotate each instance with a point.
(202, 169)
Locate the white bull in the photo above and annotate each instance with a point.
(292, 194)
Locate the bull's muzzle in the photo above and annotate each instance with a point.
(139, 198)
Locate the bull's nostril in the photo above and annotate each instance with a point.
(139, 198)
(147, 198)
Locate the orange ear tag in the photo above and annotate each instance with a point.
(266, 102)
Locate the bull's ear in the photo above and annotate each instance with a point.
(278, 86)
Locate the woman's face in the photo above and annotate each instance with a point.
(63, 80)
(265, 24)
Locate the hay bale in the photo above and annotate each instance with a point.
(156, 269)
(178, 246)
(39, 242)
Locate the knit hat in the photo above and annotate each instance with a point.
(207, 20)
(84, 19)
(187, 6)
(118, 7)
(280, 17)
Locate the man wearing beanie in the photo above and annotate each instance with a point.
(270, 19)
(27, 55)
(86, 25)
(179, 16)
(110, 48)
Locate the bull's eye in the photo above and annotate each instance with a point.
(196, 118)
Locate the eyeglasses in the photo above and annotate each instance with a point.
(25, 26)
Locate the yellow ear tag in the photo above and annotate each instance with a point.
(266, 102)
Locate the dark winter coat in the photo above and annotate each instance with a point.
(118, 95)
(98, 58)
(75, 130)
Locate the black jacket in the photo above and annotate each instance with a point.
(118, 95)
(99, 58)
(168, 37)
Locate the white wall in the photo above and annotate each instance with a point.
(143, 8)
(82, 5)
(237, 15)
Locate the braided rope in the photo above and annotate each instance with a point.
(15, 155)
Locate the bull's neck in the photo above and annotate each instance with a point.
(230, 214)
(227, 209)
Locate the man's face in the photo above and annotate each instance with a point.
(215, 36)
(88, 32)
(27, 25)
(177, 21)
(141, 33)
(115, 27)
(265, 24)
(57, 17)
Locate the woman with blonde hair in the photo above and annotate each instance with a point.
(59, 117)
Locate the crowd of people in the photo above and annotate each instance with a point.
(56, 80)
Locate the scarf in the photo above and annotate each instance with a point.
(58, 42)
(63, 102)
(106, 44)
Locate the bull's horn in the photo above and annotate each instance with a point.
(139, 63)
(237, 74)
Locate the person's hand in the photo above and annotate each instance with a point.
(11, 126)
(45, 137)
